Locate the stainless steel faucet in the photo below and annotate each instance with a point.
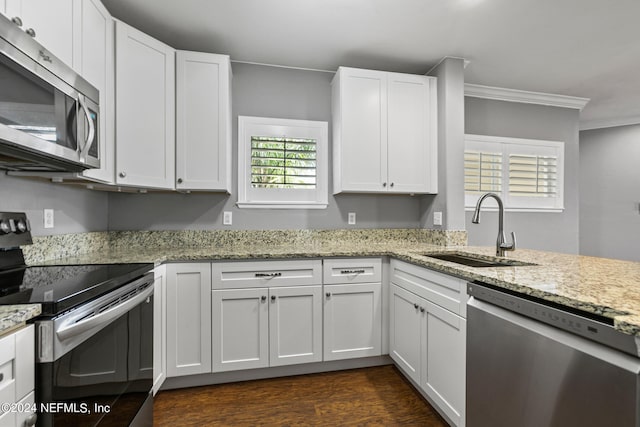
(501, 243)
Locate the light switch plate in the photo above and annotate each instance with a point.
(351, 218)
(437, 218)
(227, 218)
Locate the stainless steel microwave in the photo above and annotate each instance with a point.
(48, 113)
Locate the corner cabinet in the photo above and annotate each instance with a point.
(384, 132)
(427, 334)
(203, 122)
(145, 110)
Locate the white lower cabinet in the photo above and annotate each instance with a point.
(159, 327)
(240, 328)
(352, 321)
(427, 341)
(266, 313)
(188, 310)
(17, 373)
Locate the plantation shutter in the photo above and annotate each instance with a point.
(531, 175)
(283, 162)
(482, 172)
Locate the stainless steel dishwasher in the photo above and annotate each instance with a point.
(533, 363)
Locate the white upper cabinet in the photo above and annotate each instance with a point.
(94, 56)
(384, 132)
(203, 121)
(145, 110)
(50, 22)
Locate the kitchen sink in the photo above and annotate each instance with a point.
(472, 260)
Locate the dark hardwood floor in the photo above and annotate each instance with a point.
(370, 396)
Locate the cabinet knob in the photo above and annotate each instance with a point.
(1, 376)
(179, 180)
(391, 185)
(273, 297)
(328, 294)
(263, 298)
(421, 309)
(16, 20)
(31, 32)
(122, 174)
(384, 184)
(415, 306)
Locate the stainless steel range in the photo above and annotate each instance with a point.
(94, 339)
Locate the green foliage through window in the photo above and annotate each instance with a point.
(283, 162)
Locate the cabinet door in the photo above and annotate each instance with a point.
(352, 321)
(145, 110)
(360, 125)
(405, 331)
(52, 22)
(410, 155)
(94, 58)
(188, 308)
(295, 325)
(159, 328)
(25, 361)
(203, 121)
(444, 367)
(240, 325)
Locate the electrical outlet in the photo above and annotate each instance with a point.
(437, 218)
(227, 218)
(352, 218)
(48, 218)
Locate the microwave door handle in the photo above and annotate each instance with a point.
(92, 130)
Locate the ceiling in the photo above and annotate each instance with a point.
(584, 48)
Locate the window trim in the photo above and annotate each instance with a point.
(506, 151)
(282, 198)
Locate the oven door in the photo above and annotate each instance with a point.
(102, 367)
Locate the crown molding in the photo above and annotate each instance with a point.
(523, 96)
(609, 123)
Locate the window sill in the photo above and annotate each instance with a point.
(535, 210)
(271, 205)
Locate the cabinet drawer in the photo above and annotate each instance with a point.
(259, 274)
(7, 382)
(441, 289)
(352, 270)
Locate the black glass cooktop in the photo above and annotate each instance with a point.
(59, 288)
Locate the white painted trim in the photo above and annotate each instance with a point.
(275, 205)
(283, 66)
(466, 62)
(609, 123)
(523, 96)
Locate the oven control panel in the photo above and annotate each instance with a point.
(15, 230)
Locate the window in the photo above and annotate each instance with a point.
(527, 174)
(282, 163)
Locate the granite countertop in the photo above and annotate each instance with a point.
(14, 316)
(603, 286)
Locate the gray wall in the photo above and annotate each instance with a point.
(545, 231)
(610, 192)
(268, 92)
(450, 197)
(76, 210)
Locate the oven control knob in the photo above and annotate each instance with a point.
(5, 228)
(21, 226)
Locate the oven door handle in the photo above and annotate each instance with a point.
(74, 329)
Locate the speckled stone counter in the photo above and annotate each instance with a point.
(14, 316)
(603, 286)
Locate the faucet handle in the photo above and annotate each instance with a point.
(512, 246)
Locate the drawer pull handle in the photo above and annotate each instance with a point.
(268, 274)
(352, 271)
